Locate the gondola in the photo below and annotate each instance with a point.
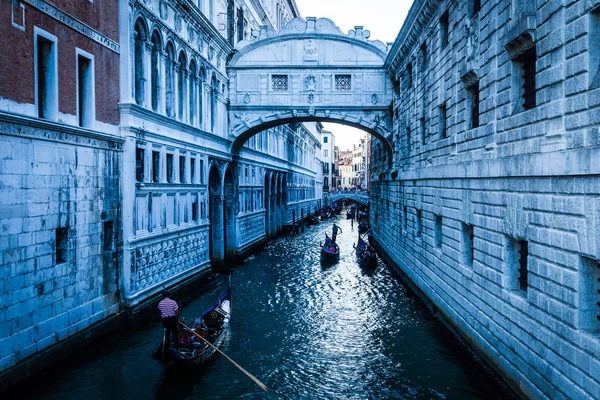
(365, 254)
(213, 325)
(330, 251)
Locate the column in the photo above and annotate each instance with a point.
(147, 101)
(162, 82)
(176, 105)
(185, 96)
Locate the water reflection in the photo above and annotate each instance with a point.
(305, 329)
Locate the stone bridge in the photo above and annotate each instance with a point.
(309, 71)
(359, 197)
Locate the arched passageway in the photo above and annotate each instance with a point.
(217, 253)
(230, 210)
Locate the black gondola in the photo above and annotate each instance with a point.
(365, 254)
(312, 220)
(330, 251)
(212, 325)
(349, 214)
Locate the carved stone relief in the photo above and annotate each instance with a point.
(163, 10)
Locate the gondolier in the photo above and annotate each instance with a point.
(169, 312)
(335, 230)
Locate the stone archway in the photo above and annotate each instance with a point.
(309, 71)
(216, 215)
(230, 211)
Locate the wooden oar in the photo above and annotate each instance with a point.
(248, 374)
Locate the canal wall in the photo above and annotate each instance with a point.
(491, 205)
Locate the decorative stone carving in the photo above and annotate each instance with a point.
(154, 263)
(472, 39)
(178, 22)
(191, 34)
(163, 10)
(310, 47)
(311, 83)
(374, 98)
(311, 98)
(247, 98)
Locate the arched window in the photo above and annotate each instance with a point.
(139, 37)
(192, 92)
(170, 79)
(181, 86)
(155, 70)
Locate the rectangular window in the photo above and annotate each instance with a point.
(419, 223)
(444, 29)
(442, 121)
(474, 7)
(526, 87)
(515, 273)
(325, 139)
(473, 104)
(202, 172)
(523, 250)
(423, 131)
(155, 166)
(404, 216)
(589, 294)
(409, 74)
(46, 75)
(437, 232)
(192, 170)
(109, 235)
(62, 244)
(424, 58)
(325, 153)
(170, 168)
(408, 139)
(280, 83)
(343, 83)
(201, 209)
(139, 164)
(182, 169)
(468, 251)
(85, 89)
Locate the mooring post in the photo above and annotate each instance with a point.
(302, 218)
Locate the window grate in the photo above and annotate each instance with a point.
(474, 105)
(280, 83)
(343, 83)
(139, 164)
(528, 61)
(523, 253)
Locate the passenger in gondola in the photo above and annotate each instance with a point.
(335, 230)
(370, 236)
(169, 312)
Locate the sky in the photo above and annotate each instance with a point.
(383, 18)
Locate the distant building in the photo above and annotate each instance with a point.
(358, 165)
(346, 176)
(327, 158)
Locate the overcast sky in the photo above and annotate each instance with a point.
(383, 18)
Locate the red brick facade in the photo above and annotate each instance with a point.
(17, 65)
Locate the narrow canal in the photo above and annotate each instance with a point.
(305, 330)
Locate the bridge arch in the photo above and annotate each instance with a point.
(309, 71)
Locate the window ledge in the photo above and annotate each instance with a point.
(521, 37)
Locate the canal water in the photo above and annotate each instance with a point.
(306, 330)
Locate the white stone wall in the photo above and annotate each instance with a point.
(522, 175)
(55, 177)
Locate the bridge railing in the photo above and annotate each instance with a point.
(355, 195)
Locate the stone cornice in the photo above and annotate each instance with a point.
(205, 25)
(63, 132)
(415, 24)
(74, 24)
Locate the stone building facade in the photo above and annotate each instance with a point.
(60, 158)
(491, 206)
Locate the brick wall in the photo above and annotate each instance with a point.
(528, 176)
(17, 77)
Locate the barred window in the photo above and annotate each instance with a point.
(343, 83)
(280, 83)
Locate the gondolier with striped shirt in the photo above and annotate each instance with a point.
(169, 311)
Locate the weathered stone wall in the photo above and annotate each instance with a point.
(497, 224)
(59, 234)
